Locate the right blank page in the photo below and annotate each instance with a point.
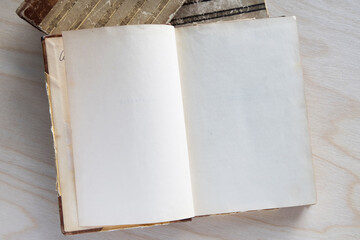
(245, 115)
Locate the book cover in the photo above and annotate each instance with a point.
(55, 16)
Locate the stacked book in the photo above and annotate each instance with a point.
(194, 108)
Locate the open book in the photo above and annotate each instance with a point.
(154, 124)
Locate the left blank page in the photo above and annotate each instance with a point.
(128, 132)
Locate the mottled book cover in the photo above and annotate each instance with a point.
(55, 16)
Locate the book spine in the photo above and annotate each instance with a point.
(197, 11)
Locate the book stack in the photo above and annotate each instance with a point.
(194, 108)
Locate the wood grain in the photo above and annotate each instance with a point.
(330, 46)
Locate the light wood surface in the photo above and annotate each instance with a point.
(330, 47)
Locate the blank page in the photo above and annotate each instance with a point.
(128, 131)
(245, 115)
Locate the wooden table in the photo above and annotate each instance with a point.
(330, 47)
